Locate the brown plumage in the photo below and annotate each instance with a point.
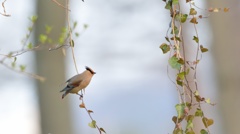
(78, 82)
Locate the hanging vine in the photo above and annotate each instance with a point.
(190, 99)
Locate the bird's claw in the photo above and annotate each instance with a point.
(80, 96)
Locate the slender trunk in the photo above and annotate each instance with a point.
(226, 50)
(54, 112)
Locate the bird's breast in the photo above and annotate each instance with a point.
(81, 86)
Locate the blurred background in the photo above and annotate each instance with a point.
(131, 93)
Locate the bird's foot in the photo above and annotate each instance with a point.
(80, 96)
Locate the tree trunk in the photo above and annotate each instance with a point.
(54, 112)
(226, 48)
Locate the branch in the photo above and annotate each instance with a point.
(4, 10)
(42, 79)
(55, 1)
(93, 122)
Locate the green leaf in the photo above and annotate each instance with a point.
(190, 117)
(33, 19)
(92, 124)
(77, 34)
(168, 5)
(173, 61)
(174, 2)
(199, 112)
(30, 29)
(43, 38)
(207, 122)
(180, 110)
(208, 101)
(189, 124)
(30, 45)
(49, 40)
(195, 38)
(197, 96)
(85, 26)
(178, 131)
(180, 83)
(203, 131)
(48, 29)
(22, 68)
(15, 59)
(165, 48)
(181, 17)
(13, 64)
(75, 24)
(190, 132)
(64, 30)
(176, 31)
(61, 40)
(10, 54)
(196, 93)
(192, 11)
(181, 75)
(177, 120)
(203, 49)
(178, 38)
(181, 61)
(71, 43)
(27, 36)
(184, 18)
(167, 39)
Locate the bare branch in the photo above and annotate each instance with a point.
(55, 1)
(4, 10)
(89, 113)
(42, 79)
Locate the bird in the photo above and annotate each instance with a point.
(78, 82)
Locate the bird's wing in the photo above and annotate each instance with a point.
(75, 78)
(67, 88)
(71, 85)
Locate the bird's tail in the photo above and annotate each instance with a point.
(67, 89)
(63, 90)
(64, 94)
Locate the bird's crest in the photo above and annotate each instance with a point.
(89, 69)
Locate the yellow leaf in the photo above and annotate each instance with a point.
(207, 122)
(90, 111)
(82, 105)
(226, 9)
(215, 10)
(102, 130)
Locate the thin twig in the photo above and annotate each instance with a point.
(25, 73)
(4, 9)
(70, 32)
(184, 57)
(195, 68)
(89, 113)
(55, 1)
(57, 47)
(17, 53)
